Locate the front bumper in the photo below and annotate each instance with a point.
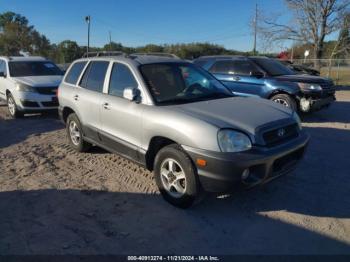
(315, 100)
(32, 102)
(224, 170)
(315, 104)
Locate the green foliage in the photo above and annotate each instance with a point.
(17, 35)
(68, 51)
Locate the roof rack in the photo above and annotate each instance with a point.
(156, 54)
(103, 53)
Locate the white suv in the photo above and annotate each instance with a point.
(29, 84)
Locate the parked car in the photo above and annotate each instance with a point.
(29, 84)
(267, 78)
(300, 69)
(177, 120)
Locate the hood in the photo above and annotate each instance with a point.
(40, 81)
(304, 79)
(240, 113)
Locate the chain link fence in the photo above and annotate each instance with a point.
(337, 69)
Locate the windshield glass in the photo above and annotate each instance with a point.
(172, 83)
(273, 67)
(33, 68)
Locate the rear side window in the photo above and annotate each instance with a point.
(121, 78)
(74, 72)
(94, 76)
(236, 67)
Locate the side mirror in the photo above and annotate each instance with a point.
(257, 74)
(2, 74)
(132, 94)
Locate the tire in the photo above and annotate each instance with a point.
(13, 108)
(186, 177)
(75, 134)
(285, 100)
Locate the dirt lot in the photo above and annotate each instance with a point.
(56, 201)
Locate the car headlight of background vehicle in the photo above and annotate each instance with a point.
(25, 88)
(310, 87)
(233, 141)
(297, 119)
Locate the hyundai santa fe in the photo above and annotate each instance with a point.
(178, 121)
(29, 84)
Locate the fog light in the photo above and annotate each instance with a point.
(245, 174)
(305, 104)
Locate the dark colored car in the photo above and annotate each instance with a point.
(268, 78)
(300, 69)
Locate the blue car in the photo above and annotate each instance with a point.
(268, 78)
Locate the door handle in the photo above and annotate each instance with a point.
(76, 97)
(106, 106)
(236, 78)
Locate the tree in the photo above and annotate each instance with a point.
(68, 51)
(150, 48)
(313, 20)
(113, 46)
(17, 35)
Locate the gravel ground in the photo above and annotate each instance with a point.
(56, 201)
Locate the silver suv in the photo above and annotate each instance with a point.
(177, 120)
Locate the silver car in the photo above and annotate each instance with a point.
(177, 120)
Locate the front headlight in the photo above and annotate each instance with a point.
(25, 88)
(233, 141)
(310, 87)
(297, 119)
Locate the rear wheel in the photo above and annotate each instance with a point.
(75, 134)
(12, 107)
(285, 100)
(176, 177)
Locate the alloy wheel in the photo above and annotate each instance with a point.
(11, 106)
(281, 101)
(74, 133)
(173, 178)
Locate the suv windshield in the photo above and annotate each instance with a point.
(172, 83)
(273, 67)
(33, 68)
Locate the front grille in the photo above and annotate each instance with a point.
(50, 104)
(280, 135)
(27, 103)
(47, 90)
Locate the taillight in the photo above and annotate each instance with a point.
(57, 91)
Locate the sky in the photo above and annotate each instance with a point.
(140, 22)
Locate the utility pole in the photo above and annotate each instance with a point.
(110, 40)
(255, 27)
(88, 20)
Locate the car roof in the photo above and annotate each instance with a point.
(136, 59)
(23, 58)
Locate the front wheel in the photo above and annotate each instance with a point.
(13, 108)
(176, 177)
(285, 100)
